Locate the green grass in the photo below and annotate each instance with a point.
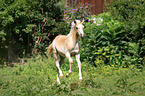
(38, 77)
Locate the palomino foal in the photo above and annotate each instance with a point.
(67, 46)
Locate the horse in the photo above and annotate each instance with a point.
(67, 46)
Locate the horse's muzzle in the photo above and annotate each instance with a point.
(82, 35)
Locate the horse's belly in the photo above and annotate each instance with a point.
(62, 54)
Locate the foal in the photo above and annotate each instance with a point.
(67, 46)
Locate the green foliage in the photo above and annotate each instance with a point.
(105, 43)
(132, 14)
(27, 26)
(102, 39)
(38, 77)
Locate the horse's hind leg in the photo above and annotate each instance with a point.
(70, 61)
(58, 67)
(61, 60)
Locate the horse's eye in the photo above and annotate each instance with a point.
(77, 28)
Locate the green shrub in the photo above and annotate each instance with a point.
(132, 14)
(28, 26)
(105, 43)
(102, 39)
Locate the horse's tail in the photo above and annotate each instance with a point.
(50, 49)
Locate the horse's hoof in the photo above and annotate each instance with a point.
(67, 75)
(58, 83)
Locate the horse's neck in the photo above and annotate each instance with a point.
(72, 33)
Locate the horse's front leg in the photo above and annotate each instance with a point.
(58, 67)
(70, 62)
(79, 65)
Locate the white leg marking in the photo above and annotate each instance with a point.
(58, 77)
(79, 65)
(58, 67)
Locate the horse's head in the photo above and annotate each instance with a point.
(79, 27)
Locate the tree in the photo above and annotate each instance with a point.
(27, 26)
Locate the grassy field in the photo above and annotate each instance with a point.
(38, 77)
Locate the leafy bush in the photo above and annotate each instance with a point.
(132, 14)
(27, 26)
(103, 38)
(105, 43)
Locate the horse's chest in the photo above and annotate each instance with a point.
(71, 45)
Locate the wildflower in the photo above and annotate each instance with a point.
(98, 24)
(69, 10)
(82, 49)
(85, 13)
(70, 18)
(86, 3)
(74, 9)
(86, 6)
(89, 20)
(65, 11)
(131, 93)
(81, 7)
(94, 18)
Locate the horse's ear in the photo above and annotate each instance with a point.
(83, 21)
(75, 21)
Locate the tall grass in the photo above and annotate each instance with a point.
(38, 77)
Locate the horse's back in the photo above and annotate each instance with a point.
(60, 39)
(59, 43)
